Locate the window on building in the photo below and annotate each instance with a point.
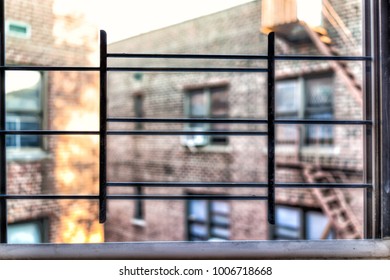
(208, 102)
(139, 206)
(24, 107)
(208, 220)
(28, 232)
(138, 109)
(307, 98)
(296, 223)
(288, 104)
(318, 105)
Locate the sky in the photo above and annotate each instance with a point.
(125, 18)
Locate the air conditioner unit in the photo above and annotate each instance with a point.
(195, 140)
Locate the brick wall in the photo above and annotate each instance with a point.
(70, 163)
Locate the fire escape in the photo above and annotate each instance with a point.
(285, 18)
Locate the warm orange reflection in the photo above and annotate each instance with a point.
(77, 158)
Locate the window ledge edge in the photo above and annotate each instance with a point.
(324, 249)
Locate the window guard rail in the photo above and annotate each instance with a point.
(103, 132)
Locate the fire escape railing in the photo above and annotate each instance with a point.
(103, 132)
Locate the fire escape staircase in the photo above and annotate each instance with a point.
(287, 25)
(334, 204)
(333, 201)
(323, 43)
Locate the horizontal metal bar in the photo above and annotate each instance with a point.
(48, 196)
(247, 121)
(324, 186)
(186, 69)
(324, 122)
(132, 132)
(187, 120)
(238, 57)
(131, 197)
(49, 68)
(187, 184)
(187, 56)
(187, 197)
(183, 132)
(323, 57)
(48, 132)
(236, 185)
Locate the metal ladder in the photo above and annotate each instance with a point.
(334, 204)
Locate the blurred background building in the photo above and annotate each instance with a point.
(327, 90)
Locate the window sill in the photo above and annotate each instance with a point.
(26, 154)
(326, 151)
(319, 151)
(324, 249)
(138, 223)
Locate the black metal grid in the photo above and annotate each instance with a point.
(103, 132)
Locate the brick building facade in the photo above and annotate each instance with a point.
(43, 33)
(304, 153)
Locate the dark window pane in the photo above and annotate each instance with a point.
(138, 110)
(319, 92)
(320, 134)
(23, 122)
(208, 220)
(287, 98)
(219, 102)
(198, 104)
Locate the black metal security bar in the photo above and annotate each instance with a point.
(103, 128)
(240, 57)
(271, 128)
(103, 69)
(3, 159)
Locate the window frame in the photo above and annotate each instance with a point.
(208, 222)
(303, 221)
(42, 223)
(377, 12)
(206, 90)
(33, 152)
(303, 109)
(139, 208)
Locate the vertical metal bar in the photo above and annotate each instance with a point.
(377, 151)
(271, 128)
(103, 128)
(368, 162)
(382, 58)
(3, 159)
